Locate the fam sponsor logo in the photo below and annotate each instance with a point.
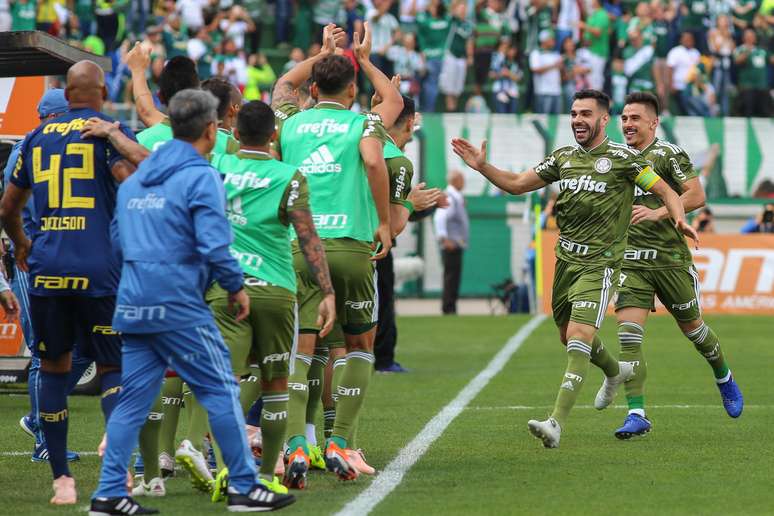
(244, 180)
(585, 304)
(685, 306)
(326, 126)
(583, 183)
(329, 220)
(276, 357)
(640, 254)
(573, 247)
(150, 202)
(141, 313)
(246, 259)
(348, 391)
(296, 386)
(61, 282)
(274, 416)
(359, 305)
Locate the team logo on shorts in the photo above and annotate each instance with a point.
(603, 165)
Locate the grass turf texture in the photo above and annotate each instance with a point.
(695, 461)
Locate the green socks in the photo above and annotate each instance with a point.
(171, 403)
(630, 337)
(149, 441)
(298, 390)
(199, 424)
(602, 359)
(315, 383)
(329, 417)
(274, 423)
(250, 389)
(706, 342)
(578, 357)
(351, 392)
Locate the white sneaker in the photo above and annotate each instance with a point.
(609, 388)
(547, 431)
(193, 461)
(154, 488)
(166, 465)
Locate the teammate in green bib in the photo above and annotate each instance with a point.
(657, 262)
(264, 198)
(596, 180)
(341, 154)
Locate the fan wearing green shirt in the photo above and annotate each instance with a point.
(264, 198)
(752, 75)
(596, 34)
(596, 180)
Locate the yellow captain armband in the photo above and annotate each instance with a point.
(646, 178)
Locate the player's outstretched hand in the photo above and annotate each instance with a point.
(10, 305)
(362, 46)
(333, 38)
(473, 157)
(688, 231)
(376, 99)
(326, 314)
(138, 58)
(642, 213)
(242, 302)
(424, 199)
(382, 241)
(21, 252)
(98, 128)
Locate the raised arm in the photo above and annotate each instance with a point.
(392, 101)
(138, 60)
(284, 90)
(128, 148)
(516, 184)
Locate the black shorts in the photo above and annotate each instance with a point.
(61, 322)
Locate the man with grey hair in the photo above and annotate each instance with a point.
(172, 233)
(452, 229)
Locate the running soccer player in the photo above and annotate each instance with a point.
(173, 235)
(73, 181)
(265, 197)
(657, 262)
(596, 189)
(341, 154)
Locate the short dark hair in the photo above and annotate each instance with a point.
(601, 97)
(178, 74)
(255, 123)
(221, 89)
(409, 109)
(189, 113)
(333, 74)
(644, 97)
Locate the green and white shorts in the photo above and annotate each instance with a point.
(581, 293)
(676, 288)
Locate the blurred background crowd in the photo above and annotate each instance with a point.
(702, 57)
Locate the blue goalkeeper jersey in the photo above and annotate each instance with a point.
(74, 197)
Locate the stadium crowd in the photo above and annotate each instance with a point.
(701, 57)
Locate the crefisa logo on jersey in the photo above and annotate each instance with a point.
(603, 165)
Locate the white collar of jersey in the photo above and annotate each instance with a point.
(256, 152)
(319, 104)
(594, 148)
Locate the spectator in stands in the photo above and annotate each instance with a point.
(459, 55)
(383, 27)
(192, 13)
(452, 229)
(175, 37)
(23, 15)
(663, 17)
(490, 28)
(752, 72)
(200, 50)
(230, 63)
(408, 10)
(705, 221)
(539, 17)
(110, 20)
(260, 77)
(324, 12)
(638, 62)
(255, 9)
(47, 17)
(761, 223)
(597, 36)
(545, 64)
(574, 73)
(743, 14)
(695, 18)
(283, 14)
(6, 21)
(351, 17)
(296, 56)
(433, 31)
(236, 25)
(767, 11)
(505, 75)
(721, 46)
(682, 61)
(567, 22)
(407, 63)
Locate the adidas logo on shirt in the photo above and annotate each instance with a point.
(320, 161)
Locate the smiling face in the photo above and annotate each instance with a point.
(588, 121)
(639, 123)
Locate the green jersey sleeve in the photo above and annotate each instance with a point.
(401, 172)
(281, 114)
(374, 128)
(296, 197)
(548, 169)
(681, 168)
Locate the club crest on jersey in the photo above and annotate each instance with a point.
(603, 165)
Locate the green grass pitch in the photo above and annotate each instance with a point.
(696, 460)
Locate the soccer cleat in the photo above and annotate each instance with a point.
(29, 426)
(166, 465)
(634, 425)
(607, 392)
(275, 486)
(220, 486)
(258, 499)
(153, 488)
(64, 491)
(295, 472)
(392, 368)
(193, 461)
(337, 461)
(118, 505)
(41, 454)
(732, 398)
(547, 431)
(357, 458)
(316, 460)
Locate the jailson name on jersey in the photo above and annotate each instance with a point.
(584, 183)
(327, 126)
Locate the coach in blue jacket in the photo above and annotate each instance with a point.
(171, 229)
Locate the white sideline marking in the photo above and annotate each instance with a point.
(540, 407)
(29, 453)
(392, 475)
